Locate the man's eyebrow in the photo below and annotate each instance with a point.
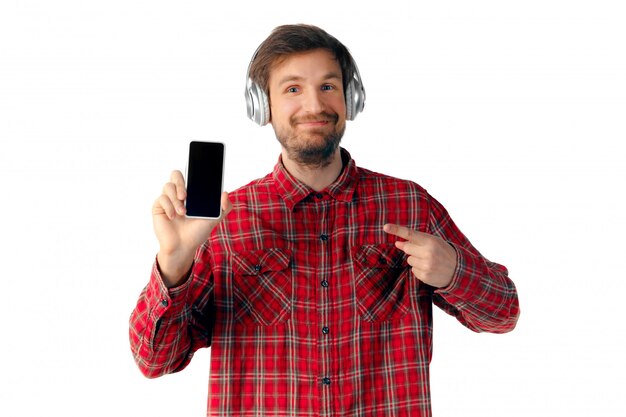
(292, 78)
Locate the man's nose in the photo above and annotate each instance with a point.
(313, 102)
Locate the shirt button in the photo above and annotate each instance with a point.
(164, 302)
(257, 268)
(324, 237)
(326, 381)
(325, 330)
(325, 284)
(319, 195)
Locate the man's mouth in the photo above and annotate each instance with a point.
(325, 120)
(313, 123)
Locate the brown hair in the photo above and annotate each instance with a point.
(289, 39)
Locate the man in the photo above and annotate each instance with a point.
(315, 288)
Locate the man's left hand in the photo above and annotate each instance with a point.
(433, 260)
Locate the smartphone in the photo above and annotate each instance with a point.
(205, 178)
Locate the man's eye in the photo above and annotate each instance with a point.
(292, 90)
(327, 87)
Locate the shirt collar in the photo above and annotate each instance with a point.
(293, 191)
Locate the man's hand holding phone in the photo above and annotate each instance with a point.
(178, 233)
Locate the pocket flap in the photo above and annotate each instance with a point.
(260, 261)
(380, 256)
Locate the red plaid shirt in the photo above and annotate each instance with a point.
(309, 308)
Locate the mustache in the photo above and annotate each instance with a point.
(320, 117)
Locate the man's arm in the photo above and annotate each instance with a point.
(476, 291)
(165, 329)
(481, 296)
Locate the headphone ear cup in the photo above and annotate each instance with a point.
(264, 107)
(355, 96)
(257, 104)
(349, 101)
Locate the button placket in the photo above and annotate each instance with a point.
(326, 296)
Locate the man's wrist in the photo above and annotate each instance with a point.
(174, 270)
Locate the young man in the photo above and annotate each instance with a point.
(315, 288)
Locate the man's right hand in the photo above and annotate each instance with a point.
(179, 236)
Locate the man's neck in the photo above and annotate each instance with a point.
(316, 177)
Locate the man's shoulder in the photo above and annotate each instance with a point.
(372, 179)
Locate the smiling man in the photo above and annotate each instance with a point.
(309, 108)
(315, 288)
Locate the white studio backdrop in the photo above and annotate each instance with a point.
(509, 113)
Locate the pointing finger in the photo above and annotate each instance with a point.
(405, 233)
(400, 231)
(394, 229)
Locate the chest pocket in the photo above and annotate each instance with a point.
(382, 282)
(262, 286)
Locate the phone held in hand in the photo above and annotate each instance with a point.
(205, 177)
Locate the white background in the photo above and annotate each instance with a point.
(510, 113)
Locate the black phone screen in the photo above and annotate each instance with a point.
(204, 179)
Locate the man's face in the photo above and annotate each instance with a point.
(308, 109)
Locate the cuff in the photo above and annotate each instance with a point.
(465, 282)
(165, 300)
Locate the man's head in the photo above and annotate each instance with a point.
(304, 74)
(289, 39)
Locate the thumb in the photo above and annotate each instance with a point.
(227, 206)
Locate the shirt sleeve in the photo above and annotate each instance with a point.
(481, 295)
(168, 325)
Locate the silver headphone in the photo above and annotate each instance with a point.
(258, 104)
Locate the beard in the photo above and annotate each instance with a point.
(315, 147)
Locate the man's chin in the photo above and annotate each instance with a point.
(312, 146)
(312, 159)
(316, 152)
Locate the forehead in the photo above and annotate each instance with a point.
(314, 64)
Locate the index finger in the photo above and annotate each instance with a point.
(179, 181)
(403, 232)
